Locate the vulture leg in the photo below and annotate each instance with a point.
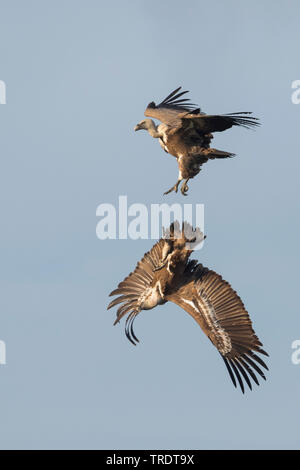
(184, 188)
(174, 188)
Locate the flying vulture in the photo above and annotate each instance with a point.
(186, 133)
(165, 273)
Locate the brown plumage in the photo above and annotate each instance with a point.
(186, 133)
(165, 273)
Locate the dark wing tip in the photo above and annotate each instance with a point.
(261, 351)
(229, 370)
(151, 105)
(239, 119)
(173, 101)
(237, 374)
(172, 94)
(129, 328)
(245, 367)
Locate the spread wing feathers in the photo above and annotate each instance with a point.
(221, 314)
(168, 110)
(172, 101)
(178, 113)
(136, 286)
(205, 123)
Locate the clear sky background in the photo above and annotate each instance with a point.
(79, 75)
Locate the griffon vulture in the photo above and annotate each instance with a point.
(165, 273)
(186, 133)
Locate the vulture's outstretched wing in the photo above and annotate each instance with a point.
(170, 108)
(221, 314)
(205, 123)
(179, 114)
(136, 287)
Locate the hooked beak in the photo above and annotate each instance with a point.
(137, 127)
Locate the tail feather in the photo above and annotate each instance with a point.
(214, 153)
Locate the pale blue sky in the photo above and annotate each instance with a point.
(78, 76)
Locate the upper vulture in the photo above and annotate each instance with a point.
(186, 133)
(165, 273)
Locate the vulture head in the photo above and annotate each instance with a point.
(146, 124)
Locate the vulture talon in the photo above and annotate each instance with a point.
(174, 188)
(184, 189)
